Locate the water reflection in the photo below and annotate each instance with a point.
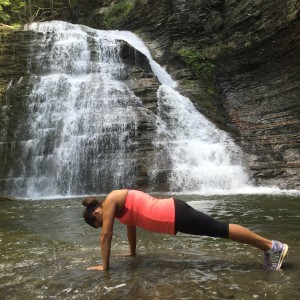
(45, 248)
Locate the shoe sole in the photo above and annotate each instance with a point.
(282, 256)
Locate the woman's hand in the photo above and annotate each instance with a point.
(125, 254)
(98, 268)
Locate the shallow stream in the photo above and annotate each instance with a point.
(45, 248)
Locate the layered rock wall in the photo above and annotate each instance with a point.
(14, 55)
(239, 62)
(260, 84)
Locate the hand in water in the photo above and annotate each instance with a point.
(99, 268)
(125, 254)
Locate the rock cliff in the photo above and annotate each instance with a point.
(239, 62)
(14, 54)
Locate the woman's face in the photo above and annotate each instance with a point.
(98, 214)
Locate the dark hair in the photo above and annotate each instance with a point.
(91, 203)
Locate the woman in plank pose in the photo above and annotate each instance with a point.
(135, 208)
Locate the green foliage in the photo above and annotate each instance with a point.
(4, 17)
(12, 12)
(210, 90)
(21, 12)
(4, 2)
(199, 61)
(117, 12)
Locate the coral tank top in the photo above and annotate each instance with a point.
(147, 212)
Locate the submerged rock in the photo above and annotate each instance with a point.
(7, 198)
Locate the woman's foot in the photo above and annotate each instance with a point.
(275, 256)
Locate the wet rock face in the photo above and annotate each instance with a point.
(144, 84)
(14, 54)
(241, 70)
(261, 96)
(252, 88)
(13, 66)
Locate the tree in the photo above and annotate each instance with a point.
(27, 11)
(12, 11)
(4, 17)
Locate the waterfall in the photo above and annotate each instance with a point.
(204, 159)
(82, 123)
(82, 117)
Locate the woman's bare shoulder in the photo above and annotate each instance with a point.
(117, 195)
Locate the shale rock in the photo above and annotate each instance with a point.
(14, 56)
(239, 62)
(144, 84)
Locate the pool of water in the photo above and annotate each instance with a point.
(45, 248)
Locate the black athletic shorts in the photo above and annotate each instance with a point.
(191, 221)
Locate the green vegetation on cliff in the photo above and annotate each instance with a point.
(11, 11)
(201, 60)
(198, 61)
(18, 12)
(117, 12)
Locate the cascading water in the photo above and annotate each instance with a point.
(204, 159)
(83, 119)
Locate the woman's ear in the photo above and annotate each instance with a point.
(97, 211)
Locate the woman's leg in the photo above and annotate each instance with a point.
(274, 251)
(190, 221)
(243, 235)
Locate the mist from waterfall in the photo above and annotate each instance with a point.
(83, 121)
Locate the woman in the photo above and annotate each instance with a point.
(134, 208)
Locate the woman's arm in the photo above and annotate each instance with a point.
(109, 211)
(107, 215)
(131, 235)
(105, 243)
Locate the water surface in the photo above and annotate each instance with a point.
(46, 247)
